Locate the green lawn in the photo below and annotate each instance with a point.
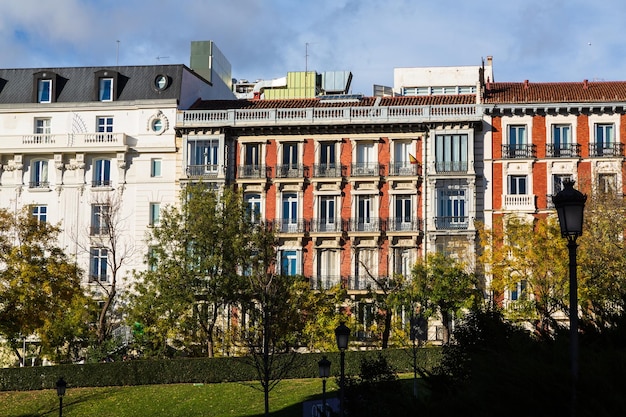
(184, 400)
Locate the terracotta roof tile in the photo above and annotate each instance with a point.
(563, 92)
(317, 102)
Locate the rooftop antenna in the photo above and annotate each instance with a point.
(159, 58)
(117, 54)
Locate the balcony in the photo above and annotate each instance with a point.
(76, 142)
(42, 185)
(329, 171)
(290, 225)
(326, 225)
(518, 151)
(571, 150)
(101, 183)
(521, 202)
(202, 171)
(401, 224)
(606, 150)
(325, 282)
(451, 167)
(329, 115)
(252, 171)
(290, 171)
(365, 282)
(366, 169)
(452, 222)
(371, 224)
(405, 169)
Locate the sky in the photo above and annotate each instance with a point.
(535, 40)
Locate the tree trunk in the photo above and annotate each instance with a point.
(387, 328)
(445, 320)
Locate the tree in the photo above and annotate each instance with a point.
(194, 270)
(272, 301)
(39, 286)
(441, 285)
(526, 257)
(602, 259)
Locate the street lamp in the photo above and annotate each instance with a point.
(61, 386)
(342, 334)
(570, 206)
(324, 365)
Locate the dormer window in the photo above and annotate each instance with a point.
(106, 85)
(106, 89)
(44, 87)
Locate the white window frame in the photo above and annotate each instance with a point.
(155, 214)
(105, 87)
(101, 172)
(294, 258)
(40, 212)
(514, 182)
(254, 206)
(155, 167)
(44, 86)
(100, 214)
(39, 174)
(98, 264)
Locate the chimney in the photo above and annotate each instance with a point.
(585, 84)
(489, 60)
(526, 84)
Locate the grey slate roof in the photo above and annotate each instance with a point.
(78, 84)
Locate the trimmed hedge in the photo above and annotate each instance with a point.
(196, 370)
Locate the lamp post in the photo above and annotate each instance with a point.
(61, 386)
(342, 334)
(324, 365)
(570, 206)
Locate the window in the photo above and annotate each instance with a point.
(327, 166)
(451, 209)
(100, 219)
(327, 213)
(517, 184)
(153, 259)
(42, 130)
(155, 167)
(365, 213)
(403, 165)
(155, 213)
(517, 145)
(605, 140)
(253, 154)
(327, 268)
(101, 173)
(40, 213)
(44, 91)
(607, 183)
(289, 262)
(403, 213)
(39, 174)
(402, 261)
(253, 204)
(105, 125)
(98, 265)
(366, 162)
(202, 156)
(557, 182)
(105, 92)
(290, 155)
(365, 268)
(518, 292)
(451, 153)
(290, 212)
(157, 125)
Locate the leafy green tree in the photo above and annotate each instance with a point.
(529, 258)
(272, 300)
(441, 285)
(194, 271)
(40, 289)
(602, 260)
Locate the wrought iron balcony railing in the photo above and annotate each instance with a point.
(203, 171)
(606, 150)
(325, 282)
(405, 169)
(290, 171)
(252, 171)
(366, 169)
(329, 170)
(290, 225)
(518, 151)
(326, 225)
(571, 150)
(452, 222)
(450, 167)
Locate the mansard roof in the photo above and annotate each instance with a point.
(321, 102)
(78, 84)
(557, 92)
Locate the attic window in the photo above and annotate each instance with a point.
(44, 87)
(106, 86)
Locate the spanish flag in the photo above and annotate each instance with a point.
(412, 159)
